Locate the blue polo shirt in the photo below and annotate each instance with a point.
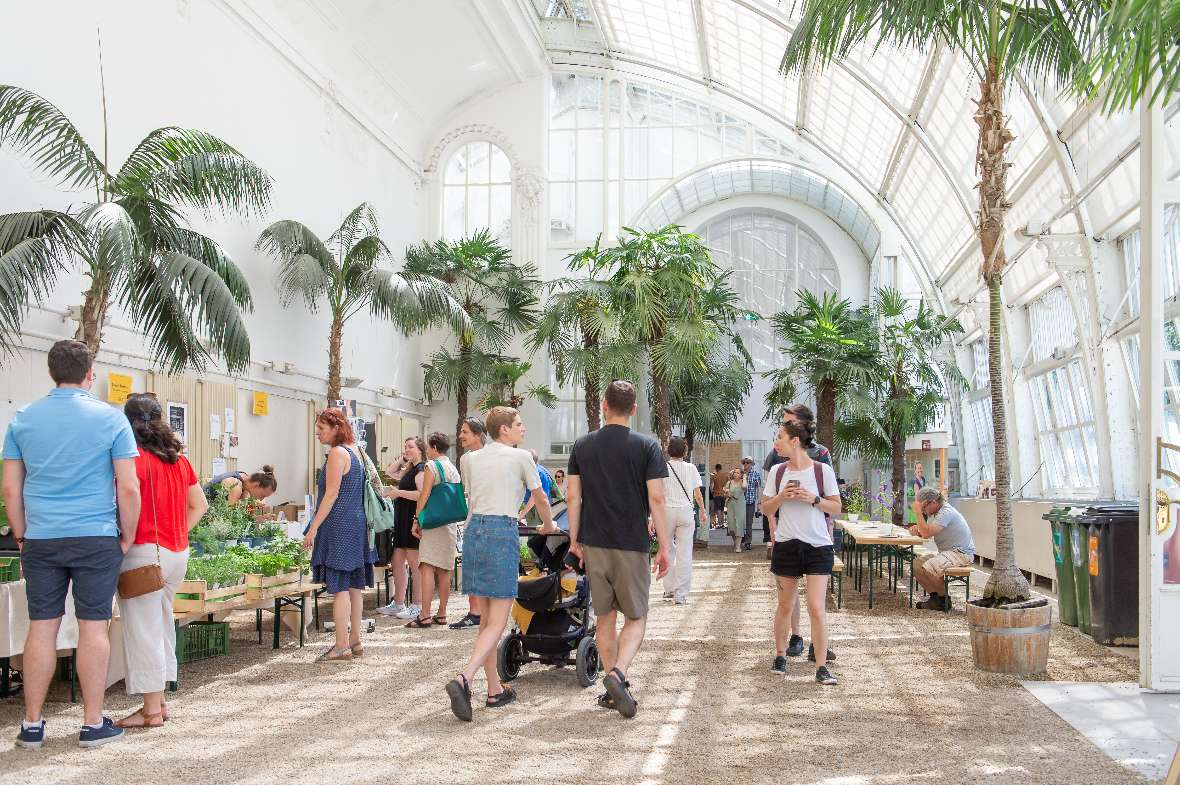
(68, 440)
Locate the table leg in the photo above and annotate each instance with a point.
(278, 610)
(258, 623)
(873, 553)
(911, 576)
(302, 617)
(5, 676)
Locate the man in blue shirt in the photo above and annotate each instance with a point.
(64, 456)
(753, 494)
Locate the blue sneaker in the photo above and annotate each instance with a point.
(96, 737)
(31, 738)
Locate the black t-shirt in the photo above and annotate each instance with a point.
(614, 464)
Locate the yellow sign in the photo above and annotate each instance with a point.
(118, 388)
(261, 404)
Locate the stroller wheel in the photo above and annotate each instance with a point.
(509, 657)
(587, 661)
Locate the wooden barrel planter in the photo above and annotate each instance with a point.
(1012, 641)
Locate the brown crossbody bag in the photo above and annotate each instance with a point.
(150, 577)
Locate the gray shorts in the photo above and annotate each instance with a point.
(90, 563)
(619, 580)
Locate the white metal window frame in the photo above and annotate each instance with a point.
(477, 192)
(1066, 434)
(977, 417)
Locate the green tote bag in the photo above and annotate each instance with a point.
(446, 504)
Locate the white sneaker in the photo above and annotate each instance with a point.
(681, 601)
(409, 612)
(392, 609)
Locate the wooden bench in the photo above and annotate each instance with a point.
(838, 579)
(956, 575)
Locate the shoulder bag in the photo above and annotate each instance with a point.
(446, 503)
(150, 577)
(695, 510)
(819, 485)
(378, 507)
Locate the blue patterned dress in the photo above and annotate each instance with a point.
(341, 558)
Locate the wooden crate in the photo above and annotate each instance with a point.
(261, 586)
(205, 599)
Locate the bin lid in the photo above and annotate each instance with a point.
(1113, 513)
(1059, 513)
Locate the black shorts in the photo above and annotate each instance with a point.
(719, 504)
(795, 558)
(90, 563)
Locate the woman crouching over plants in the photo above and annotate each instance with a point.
(172, 503)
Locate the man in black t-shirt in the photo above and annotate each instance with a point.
(615, 482)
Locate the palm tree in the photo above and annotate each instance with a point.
(1134, 44)
(828, 347)
(913, 377)
(673, 300)
(175, 284)
(582, 334)
(344, 273)
(707, 407)
(1002, 40)
(506, 374)
(495, 298)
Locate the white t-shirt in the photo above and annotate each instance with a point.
(493, 477)
(799, 520)
(674, 495)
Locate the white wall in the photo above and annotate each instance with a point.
(213, 67)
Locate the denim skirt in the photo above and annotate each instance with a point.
(491, 556)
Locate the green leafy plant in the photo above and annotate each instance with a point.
(855, 501)
(502, 387)
(135, 249)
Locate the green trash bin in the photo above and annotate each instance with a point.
(1079, 542)
(1059, 528)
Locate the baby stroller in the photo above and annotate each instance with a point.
(552, 617)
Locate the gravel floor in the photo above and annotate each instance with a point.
(909, 709)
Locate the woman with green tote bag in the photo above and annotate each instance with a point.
(436, 551)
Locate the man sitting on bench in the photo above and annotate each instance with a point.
(956, 547)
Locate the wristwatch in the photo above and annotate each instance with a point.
(817, 501)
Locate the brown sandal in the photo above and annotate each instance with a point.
(149, 720)
(439, 621)
(419, 624)
(335, 655)
(357, 649)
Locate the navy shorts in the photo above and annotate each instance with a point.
(92, 563)
(795, 558)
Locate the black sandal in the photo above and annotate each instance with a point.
(419, 624)
(506, 696)
(605, 701)
(617, 687)
(439, 621)
(459, 692)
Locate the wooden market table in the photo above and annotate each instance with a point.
(865, 537)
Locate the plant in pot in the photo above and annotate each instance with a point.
(1003, 42)
(855, 501)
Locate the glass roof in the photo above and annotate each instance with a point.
(736, 178)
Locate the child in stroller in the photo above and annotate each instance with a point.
(552, 617)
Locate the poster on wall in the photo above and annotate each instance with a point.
(261, 404)
(215, 427)
(178, 420)
(228, 421)
(218, 466)
(118, 388)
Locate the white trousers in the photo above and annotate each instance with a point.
(149, 636)
(683, 526)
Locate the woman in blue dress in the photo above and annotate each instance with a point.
(341, 557)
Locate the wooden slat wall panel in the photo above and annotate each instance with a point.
(203, 398)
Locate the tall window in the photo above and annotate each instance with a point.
(978, 423)
(477, 192)
(567, 420)
(772, 257)
(1065, 430)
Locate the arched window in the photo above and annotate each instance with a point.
(477, 192)
(772, 256)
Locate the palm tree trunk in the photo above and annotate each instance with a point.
(335, 340)
(461, 392)
(825, 404)
(663, 409)
(593, 405)
(690, 437)
(1007, 583)
(94, 314)
(897, 478)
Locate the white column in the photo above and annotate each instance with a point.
(1159, 604)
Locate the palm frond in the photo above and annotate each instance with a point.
(361, 222)
(113, 240)
(193, 167)
(206, 251)
(35, 248)
(1133, 42)
(306, 267)
(38, 129)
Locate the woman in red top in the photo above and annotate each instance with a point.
(172, 503)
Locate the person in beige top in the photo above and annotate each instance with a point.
(493, 478)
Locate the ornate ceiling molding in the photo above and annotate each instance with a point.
(475, 132)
